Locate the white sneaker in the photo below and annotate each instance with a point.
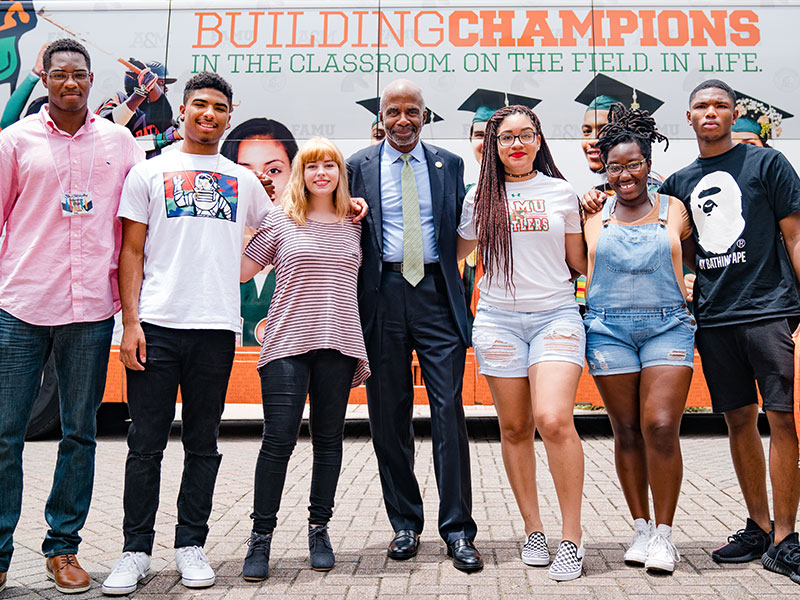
(534, 552)
(192, 564)
(130, 569)
(661, 552)
(568, 563)
(637, 551)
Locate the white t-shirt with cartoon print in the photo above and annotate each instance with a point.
(195, 207)
(541, 211)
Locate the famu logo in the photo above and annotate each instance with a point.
(527, 215)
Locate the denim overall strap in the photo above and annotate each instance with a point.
(633, 267)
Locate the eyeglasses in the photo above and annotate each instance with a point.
(79, 76)
(631, 167)
(526, 137)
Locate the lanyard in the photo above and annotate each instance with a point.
(55, 167)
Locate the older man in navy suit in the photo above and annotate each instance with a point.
(411, 298)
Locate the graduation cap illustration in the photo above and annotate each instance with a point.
(373, 105)
(484, 103)
(603, 91)
(758, 117)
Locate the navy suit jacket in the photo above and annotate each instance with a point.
(446, 174)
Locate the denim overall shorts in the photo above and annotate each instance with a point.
(637, 315)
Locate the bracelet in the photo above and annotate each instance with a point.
(140, 92)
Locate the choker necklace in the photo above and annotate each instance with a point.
(515, 176)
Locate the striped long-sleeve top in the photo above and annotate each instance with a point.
(315, 305)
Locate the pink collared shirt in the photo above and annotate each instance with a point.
(54, 269)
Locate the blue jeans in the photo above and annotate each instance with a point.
(81, 357)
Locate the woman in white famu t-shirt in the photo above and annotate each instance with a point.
(528, 333)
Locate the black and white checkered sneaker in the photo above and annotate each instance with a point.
(568, 563)
(534, 552)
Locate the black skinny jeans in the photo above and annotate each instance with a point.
(325, 376)
(198, 362)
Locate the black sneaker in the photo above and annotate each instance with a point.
(743, 546)
(256, 563)
(320, 553)
(783, 558)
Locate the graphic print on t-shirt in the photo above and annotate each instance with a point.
(201, 194)
(527, 215)
(716, 203)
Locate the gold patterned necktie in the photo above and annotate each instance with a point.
(413, 260)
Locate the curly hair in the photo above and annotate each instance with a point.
(65, 45)
(629, 125)
(491, 207)
(208, 80)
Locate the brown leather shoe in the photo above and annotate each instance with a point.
(70, 578)
(2, 581)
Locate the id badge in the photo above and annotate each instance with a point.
(77, 204)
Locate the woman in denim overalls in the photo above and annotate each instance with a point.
(639, 332)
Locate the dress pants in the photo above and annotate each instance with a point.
(419, 318)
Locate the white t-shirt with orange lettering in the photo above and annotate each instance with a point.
(541, 211)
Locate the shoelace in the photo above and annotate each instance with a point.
(745, 536)
(195, 557)
(792, 555)
(640, 534)
(66, 560)
(127, 563)
(259, 541)
(316, 535)
(658, 542)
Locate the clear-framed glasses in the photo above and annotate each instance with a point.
(526, 137)
(631, 167)
(79, 76)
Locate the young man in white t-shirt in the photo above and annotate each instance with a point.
(183, 216)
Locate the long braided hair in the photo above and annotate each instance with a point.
(629, 125)
(491, 207)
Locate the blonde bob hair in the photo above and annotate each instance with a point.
(295, 194)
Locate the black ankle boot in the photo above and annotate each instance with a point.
(256, 563)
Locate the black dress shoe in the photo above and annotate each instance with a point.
(405, 545)
(465, 555)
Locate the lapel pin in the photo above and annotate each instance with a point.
(438, 164)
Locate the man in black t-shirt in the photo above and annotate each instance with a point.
(745, 206)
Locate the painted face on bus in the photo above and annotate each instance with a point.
(477, 133)
(262, 154)
(377, 134)
(747, 137)
(593, 120)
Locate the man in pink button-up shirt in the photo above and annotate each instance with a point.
(61, 175)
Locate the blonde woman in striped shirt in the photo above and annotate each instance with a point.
(313, 344)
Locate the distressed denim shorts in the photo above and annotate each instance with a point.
(627, 341)
(508, 342)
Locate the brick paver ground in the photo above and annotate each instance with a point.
(709, 509)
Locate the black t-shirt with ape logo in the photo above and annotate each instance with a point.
(736, 200)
